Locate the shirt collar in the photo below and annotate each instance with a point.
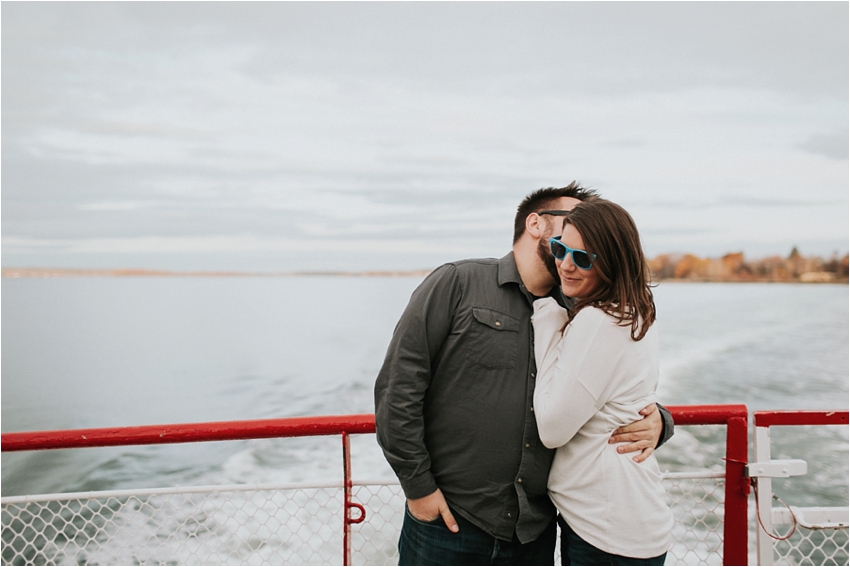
(508, 272)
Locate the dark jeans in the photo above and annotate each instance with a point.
(576, 551)
(431, 543)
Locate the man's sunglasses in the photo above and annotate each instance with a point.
(555, 212)
(581, 259)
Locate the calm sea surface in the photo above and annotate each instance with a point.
(98, 352)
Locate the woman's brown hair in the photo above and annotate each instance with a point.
(624, 290)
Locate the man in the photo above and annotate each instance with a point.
(453, 404)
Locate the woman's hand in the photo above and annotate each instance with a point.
(642, 435)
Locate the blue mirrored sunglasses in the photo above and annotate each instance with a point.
(581, 258)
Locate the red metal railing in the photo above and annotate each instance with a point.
(734, 417)
(189, 432)
(770, 418)
(344, 425)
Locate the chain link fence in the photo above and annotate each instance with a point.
(799, 542)
(811, 546)
(269, 525)
(695, 498)
(697, 503)
(239, 525)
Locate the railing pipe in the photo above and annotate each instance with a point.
(706, 414)
(794, 417)
(189, 432)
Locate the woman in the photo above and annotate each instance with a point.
(597, 367)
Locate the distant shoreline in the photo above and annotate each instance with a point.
(138, 272)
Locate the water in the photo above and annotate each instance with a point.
(98, 352)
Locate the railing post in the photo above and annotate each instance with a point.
(346, 525)
(735, 528)
(348, 504)
(764, 506)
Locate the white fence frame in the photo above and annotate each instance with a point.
(768, 517)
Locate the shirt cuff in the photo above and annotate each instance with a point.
(666, 426)
(419, 486)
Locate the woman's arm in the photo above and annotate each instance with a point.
(562, 401)
(549, 321)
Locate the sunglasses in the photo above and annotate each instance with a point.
(582, 259)
(555, 212)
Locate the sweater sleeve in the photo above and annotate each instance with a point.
(574, 370)
(549, 320)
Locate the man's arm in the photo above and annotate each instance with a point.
(645, 435)
(401, 387)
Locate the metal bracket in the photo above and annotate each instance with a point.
(777, 468)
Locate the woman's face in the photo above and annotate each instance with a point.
(575, 282)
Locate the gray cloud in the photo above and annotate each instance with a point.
(626, 143)
(641, 45)
(833, 146)
(265, 124)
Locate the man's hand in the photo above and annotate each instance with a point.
(642, 435)
(431, 507)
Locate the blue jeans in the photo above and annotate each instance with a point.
(431, 543)
(576, 551)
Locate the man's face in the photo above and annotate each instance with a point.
(552, 227)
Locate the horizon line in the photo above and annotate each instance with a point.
(18, 272)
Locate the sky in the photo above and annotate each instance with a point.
(287, 136)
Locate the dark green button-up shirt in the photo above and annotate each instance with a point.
(453, 400)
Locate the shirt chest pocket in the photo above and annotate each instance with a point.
(493, 339)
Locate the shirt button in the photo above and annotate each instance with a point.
(509, 514)
(498, 323)
(519, 480)
(527, 445)
(533, 375)
(532, 408)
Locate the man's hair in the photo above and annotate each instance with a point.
(543, 199)
(624, 289)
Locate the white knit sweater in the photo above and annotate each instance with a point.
(591, 379)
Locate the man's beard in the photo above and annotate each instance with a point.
(545, 254)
